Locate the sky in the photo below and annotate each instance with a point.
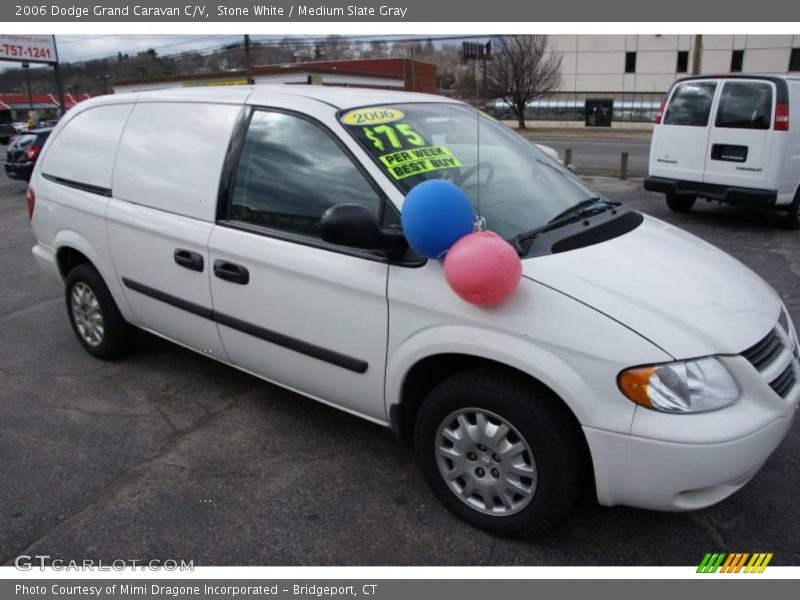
(87, 47)
(90, 46)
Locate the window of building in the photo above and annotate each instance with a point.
(794, 60)
(290, 172)
(690, 104)
(630, 62)
(737, 60)
(745, 105)
(682, 65)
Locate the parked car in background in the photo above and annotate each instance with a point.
(7, 133)
(20, 126)
(23, 153)
(731, 138)
(261, 226)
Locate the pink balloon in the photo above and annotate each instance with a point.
(482, 268)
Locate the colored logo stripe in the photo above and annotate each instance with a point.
(734, 562)
(711, 562)
(758, 563)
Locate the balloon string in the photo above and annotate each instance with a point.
(478, 153)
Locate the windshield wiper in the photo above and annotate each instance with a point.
(584, 208)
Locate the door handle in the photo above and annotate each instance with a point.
(188, 259)
(231, 272)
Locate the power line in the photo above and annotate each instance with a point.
(276, 43)
(101, 55)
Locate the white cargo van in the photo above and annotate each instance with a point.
(259, 226)
(731, 138)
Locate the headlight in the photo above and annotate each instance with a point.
(690, 386)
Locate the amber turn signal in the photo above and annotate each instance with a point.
(633, 384)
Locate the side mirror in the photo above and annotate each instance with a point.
(572, 169)
(355, 226)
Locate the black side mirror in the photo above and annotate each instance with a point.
(355, 226)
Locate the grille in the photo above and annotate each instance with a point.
(776, 347)
(784, 382)
(766, 351)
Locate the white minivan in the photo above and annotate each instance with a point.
(259, 226)
(731, 138)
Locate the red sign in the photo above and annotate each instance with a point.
(28, 48)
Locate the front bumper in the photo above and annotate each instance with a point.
(689, 461)
(670, 476)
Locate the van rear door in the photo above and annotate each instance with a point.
(678, 149)
(740, 140)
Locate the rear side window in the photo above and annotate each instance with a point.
(745, 105)
(691, 104)
(83, 150)
(24, 141)
(171, 156)
(290, 172)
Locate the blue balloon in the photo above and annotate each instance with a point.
(436, 214)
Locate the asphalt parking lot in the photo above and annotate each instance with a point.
(169, 455)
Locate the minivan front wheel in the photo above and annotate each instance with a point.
(681, 202)
(499, 452)
(99, 326)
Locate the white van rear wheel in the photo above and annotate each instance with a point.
(99, 326)
(681, 202)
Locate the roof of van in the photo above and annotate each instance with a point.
(336, 96)
(742, 76)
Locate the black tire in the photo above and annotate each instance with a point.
(118, 336)
(681, 203)
(543, 423)
(793, 215)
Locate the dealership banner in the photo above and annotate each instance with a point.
(474, 11)
(393, 589)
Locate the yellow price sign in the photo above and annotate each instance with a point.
(375, 115)
(415, 161)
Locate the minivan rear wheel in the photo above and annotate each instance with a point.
(99, 326)
(681, 202)
(499, 452)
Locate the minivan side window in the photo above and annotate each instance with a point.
(84, 149)
(691, 104)
(290, 172)
(745, 105)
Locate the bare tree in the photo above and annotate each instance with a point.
(523, 68)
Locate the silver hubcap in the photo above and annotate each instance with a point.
(486, 462)
(86, 314)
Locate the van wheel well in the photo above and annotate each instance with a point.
(428, 372)
(69, 258)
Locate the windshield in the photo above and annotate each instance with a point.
(520, 188)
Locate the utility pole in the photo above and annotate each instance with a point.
(26, 67)
(697, 57)
(59, 84)
(248, 67)
(413, 71)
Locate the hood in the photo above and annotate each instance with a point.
(683, 294)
